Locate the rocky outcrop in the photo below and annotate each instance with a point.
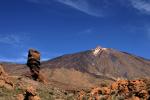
(33, 63)
(121, 89)
(30, 94)
(127, 88)
(5, 81)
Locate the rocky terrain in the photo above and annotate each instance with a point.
(119, 90)
(97, 74)
(23, 88)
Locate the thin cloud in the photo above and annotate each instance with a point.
(13, 60)
(99, 8)
(141, 5)
(9, 39)
(13, 39)
(83, 6)
(86, 32)
(21, 58)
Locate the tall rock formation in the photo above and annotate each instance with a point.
(33, 63)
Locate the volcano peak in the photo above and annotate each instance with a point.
(98, 50)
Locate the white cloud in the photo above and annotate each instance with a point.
(83, 6)
(100, 8)
(13, 39)
(141, 5)
(9, 39)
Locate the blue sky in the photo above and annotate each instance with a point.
(57, 27)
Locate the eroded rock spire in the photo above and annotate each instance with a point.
(33, 63)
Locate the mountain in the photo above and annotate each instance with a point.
(104, 62)
(89, 68)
